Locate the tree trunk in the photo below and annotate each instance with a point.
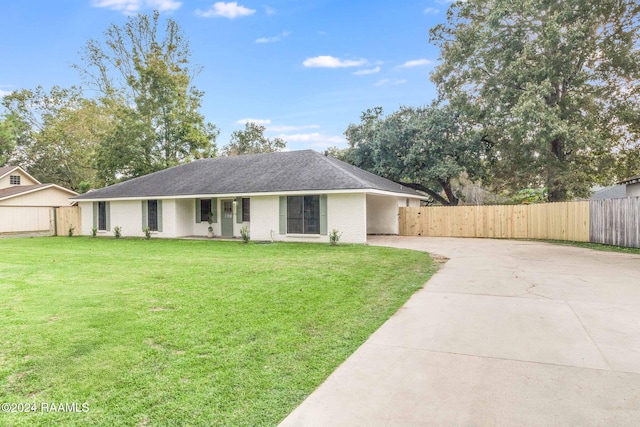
(556, 188)
(446, 186)
(437, 197)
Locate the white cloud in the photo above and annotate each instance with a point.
(389, 82)
(229, 10)
(366, 71)
(262, 122)
(416, 63)
(332, 62)
(274, 38)
(316, 139)
(269, 10)
(133, 6)
(430, 10)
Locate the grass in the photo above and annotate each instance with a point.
(594, 246)
(198, 333)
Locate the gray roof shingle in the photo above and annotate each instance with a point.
(6, 169)
(613, 192)
(305, 170)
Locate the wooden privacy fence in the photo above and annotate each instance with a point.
(616, 222)
(556, 221)
(40, 219)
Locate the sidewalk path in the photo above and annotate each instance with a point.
(507, 333)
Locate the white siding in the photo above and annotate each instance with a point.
(24, 179)
(382, 213)
(47, 197)
(15, 219)
(633, 190)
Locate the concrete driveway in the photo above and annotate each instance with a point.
(507, 333)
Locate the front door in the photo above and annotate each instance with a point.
(227, 218)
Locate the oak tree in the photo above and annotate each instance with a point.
(554, 84)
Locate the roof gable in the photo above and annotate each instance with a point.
(6, 170)
(305, 170)
(19, 190)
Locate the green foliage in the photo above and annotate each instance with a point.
(555, 85)
(142, 74)
(153, 333)
(530, 195)
(94, 231)
(334, 237)
(425, 148)
(147, 233)
(244, 232)
(8, 139)
(83, 187)
(251, 140)
(54, 134)
(117, 231)
(70, 230)
(338, 153)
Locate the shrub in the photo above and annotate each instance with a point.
(334, 237)
(70, 232)
(94, 231)
(244, 231)
(117, 231)
(147, 232)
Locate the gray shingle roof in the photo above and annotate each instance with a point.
(6, 169)
(305, 170)
(613, 192)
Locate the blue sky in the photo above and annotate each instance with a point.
(304, 69)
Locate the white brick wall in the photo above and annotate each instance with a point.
(127, 214)
(346, 213)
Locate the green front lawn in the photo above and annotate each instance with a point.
(199, 333)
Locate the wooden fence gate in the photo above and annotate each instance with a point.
(68, 216)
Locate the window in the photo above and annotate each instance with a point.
(246, 210)
(205, 209)
(102, 216)
(153, 214)
(303, 214)
(14, 179)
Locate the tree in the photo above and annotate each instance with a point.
(7, 140)
(425, 148)
(555, 85)
(144, 82)
(54, 134)
(251, 140)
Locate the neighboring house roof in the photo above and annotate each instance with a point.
(613, 192)
(305, 170)
(6, 170)
(19, 190)
(633, 180)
